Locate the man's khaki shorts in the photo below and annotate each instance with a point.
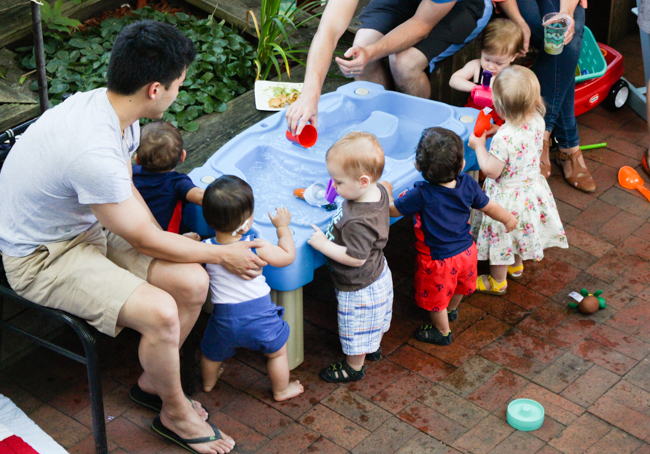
(90, 276)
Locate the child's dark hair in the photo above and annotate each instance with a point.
(147, 52)
(161, 147)
(439, 155)
(228, 201)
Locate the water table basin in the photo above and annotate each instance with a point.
(274, 166)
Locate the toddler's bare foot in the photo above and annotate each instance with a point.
(294, 389)
(208, 385)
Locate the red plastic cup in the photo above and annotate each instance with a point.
(307, 138)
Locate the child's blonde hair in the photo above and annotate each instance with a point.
(502, 37)
(358, 153)
(516, 94)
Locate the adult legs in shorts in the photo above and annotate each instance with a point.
(163, 311)
(408, 68)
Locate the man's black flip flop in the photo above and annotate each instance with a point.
(158, 426)
(151, 401)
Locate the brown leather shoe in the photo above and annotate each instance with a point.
(580, 177)
(545, 160)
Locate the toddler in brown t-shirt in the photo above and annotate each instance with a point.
(354, 243)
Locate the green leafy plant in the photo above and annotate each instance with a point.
(54, 19)
(277, 20)
(223, 68)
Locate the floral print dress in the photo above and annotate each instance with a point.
(522, 190)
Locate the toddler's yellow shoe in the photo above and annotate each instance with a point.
(515, 272)
(496, 288)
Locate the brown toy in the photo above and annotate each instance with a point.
(590, 303)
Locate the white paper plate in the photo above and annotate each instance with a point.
(264, 92)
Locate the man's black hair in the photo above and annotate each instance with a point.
(439, 155)
(227, 202)
(147, 52)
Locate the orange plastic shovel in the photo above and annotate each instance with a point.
(630, 179)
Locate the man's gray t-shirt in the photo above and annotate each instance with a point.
(73, 156)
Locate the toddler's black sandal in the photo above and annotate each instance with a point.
(431, 335)
(376, 356)
(452, 315)
(342, 372)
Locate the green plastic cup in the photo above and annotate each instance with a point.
(555, 27)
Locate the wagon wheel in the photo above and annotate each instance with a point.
(617, 96)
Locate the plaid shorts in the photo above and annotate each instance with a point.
(364, 316)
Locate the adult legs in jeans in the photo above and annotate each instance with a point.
(557, 80)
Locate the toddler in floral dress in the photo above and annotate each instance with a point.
(515, 182)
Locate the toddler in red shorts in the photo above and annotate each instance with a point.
(441, 205)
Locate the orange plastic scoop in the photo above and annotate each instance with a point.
(630, 179)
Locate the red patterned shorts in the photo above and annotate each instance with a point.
(437, 281)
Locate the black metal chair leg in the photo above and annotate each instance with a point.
(94, 385)
(188, 363)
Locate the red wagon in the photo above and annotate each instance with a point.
(609, 89)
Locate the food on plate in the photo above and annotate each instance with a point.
(283, 96)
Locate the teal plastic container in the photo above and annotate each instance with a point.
(591, 58)
(525, 414)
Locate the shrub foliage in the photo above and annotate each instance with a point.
(223, 68)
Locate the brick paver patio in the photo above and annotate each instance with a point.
(591, 373)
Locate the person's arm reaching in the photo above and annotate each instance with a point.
(511, 10)
(333, 23)
(131, 221)
(568, 7)
(285, 252)
(498, 213)
(489, 164)
(463, 79)
(329, 249)
(140, 199)
(400, 38)
(195, 196)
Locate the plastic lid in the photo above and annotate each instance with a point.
(525, 414)
(315, 195)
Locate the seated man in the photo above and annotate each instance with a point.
(77, 236)
(413, 34)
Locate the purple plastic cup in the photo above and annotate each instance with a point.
(330, 193)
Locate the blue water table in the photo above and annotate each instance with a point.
(274, 167)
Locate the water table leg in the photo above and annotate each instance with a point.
(473, 174)
(292, 303)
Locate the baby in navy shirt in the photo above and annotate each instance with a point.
(160, 150)
(446, 262)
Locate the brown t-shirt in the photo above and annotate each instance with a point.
(362, 227)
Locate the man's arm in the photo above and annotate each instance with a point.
(140, 199)
(400, 38)
(131, 221)
(333, 23)
(511, 10)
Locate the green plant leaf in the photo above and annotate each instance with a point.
(191, 126)
(58, 87)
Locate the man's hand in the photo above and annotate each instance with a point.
(511, 224)
(238, 259)
(303, 111)
(317, 239)
(282, 217)
(351, 68)
(475, 142)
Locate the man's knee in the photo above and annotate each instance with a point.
(152, 312)
(408, 64)
(366, 36)
(195, 283)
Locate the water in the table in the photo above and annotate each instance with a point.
(274, 176)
